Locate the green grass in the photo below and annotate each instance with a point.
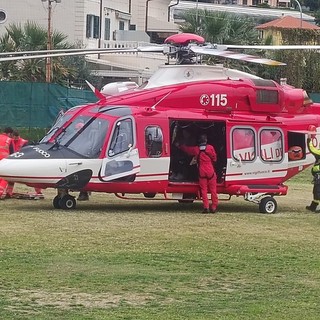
(113, 259)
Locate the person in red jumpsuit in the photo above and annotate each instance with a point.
(6, 148)
(18, 143)
(206, 157)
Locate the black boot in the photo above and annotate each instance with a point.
(312, 207)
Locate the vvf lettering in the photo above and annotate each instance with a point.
(271, 153)
(246, 156)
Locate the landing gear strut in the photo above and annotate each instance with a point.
(267, 204)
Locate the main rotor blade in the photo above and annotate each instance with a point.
(271, 47)
(34, 52)
(74, 52)
(153, 48)
(236, 56)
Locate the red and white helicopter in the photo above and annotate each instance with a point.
(124, 143)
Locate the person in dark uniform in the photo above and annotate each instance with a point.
(315, 203)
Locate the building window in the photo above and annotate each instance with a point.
(106, 29)
(153, 141)
(92, 27)
(121, 25)
(132, 27)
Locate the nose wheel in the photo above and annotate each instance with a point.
(66, 202)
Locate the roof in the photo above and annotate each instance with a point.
(245, 10)
(288, 22)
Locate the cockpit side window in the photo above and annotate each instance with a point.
(153, 141)
(122, 138)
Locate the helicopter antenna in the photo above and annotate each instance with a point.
(154, 106)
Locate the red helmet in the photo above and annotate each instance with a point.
(295, 153)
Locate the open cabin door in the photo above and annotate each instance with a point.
(183, 167)
(256, 153)
(122, 156)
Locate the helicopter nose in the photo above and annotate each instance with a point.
(6, 169)
(32, 170)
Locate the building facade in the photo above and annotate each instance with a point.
(80, 19)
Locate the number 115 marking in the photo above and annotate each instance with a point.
(219, 100)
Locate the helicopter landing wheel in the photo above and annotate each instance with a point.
(268, 205)
(67, 202)
(56, 202)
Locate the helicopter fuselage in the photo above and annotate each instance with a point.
(124, 144)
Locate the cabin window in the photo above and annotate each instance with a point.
(296, 146)
(243, 140)
(154, 141)
(267, 96)
(122, 139)
(271, 146)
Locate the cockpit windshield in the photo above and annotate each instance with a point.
(60, 121)
(85, 135)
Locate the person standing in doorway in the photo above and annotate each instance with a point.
(206, 158)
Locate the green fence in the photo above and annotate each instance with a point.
(315, 97)
(34, 104)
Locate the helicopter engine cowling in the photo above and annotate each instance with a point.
(295, 100)
(114, 88)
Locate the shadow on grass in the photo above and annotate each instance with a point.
(134, 206)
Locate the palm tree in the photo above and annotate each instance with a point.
(220, 27)
(34, 37)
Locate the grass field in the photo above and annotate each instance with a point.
(113, 259)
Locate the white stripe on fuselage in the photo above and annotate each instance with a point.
(50, 171)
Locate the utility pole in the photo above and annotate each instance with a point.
(300, 31)
(49, 38)
(300, 9)
(100, 27)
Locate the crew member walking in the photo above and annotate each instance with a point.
(6, 148)
(206, 157)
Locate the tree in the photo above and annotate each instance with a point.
(32, 37)
(220, 27)
(302, 67)
(313, 5)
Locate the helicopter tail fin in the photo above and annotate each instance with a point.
(97, 93)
